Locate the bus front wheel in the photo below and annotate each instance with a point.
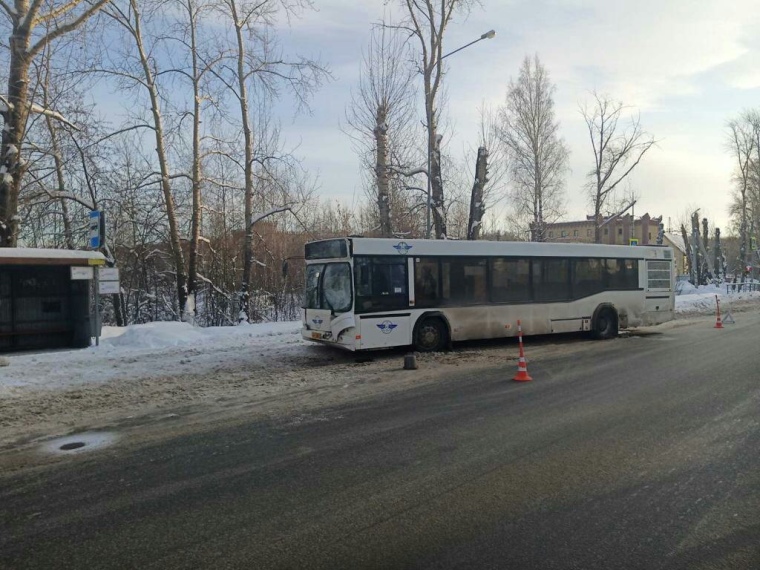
(606, 324)
(431, 335)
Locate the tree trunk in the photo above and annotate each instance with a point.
(381, 172)
(438, 203)
(477, 208)
(245, 284)
(719, 272)
(435, 180)
(13, 133)
(58, 163)
(195, 223)
(705, 262)
(686, 245)
(176, 246)
(695, 245)
(597, 224)
(24, 16)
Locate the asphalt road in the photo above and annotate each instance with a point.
(643, 454)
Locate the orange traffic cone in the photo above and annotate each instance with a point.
(718, 323)
(522, 368)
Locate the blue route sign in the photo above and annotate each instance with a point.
(95, 240)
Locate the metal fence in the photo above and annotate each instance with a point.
(742, 287)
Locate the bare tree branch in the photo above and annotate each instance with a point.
(617, 151)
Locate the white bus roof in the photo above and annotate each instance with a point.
(415, 247)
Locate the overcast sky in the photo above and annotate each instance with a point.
(686, 65)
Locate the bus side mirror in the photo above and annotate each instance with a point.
(285, 268)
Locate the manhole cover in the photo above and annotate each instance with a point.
(78, 443)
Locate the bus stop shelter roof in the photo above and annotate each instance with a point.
(35, 256)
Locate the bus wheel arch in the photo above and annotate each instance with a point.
(432, 332)
(605, 322)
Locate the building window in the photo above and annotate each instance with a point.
(575, 233)
(588, 232)
(650, 236)
(551, 234)
(564, 233)
(620, 231)
(606, 231)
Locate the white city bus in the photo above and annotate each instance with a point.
(369, 293)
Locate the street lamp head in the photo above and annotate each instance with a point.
(488, 35)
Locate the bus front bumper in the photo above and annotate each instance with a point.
(344, 341)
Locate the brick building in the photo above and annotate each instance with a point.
(617, 231)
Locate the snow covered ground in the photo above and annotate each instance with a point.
(693, 301)
(153, 350)
(175, 349)
(156, 367)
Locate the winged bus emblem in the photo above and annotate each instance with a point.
(387, 327)
(402, 247)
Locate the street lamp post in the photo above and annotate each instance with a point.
(487, 36)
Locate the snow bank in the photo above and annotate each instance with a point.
(169, 334)
(691, 299)
(155, 350)
(153, 335)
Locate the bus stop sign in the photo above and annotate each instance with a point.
(96, 239)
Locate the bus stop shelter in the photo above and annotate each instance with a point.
(45, 298)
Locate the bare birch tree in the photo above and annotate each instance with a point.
(35, 25)
(195, 68)
(49, 159)
(380, 113)
(618, 149)
(538, 155)
(139, 68)
(742, 141)
(427, 21)
(256, 67)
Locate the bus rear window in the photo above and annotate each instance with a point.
(327, 249)
(658, 275)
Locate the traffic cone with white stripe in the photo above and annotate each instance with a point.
(718, 323)
(522, 367)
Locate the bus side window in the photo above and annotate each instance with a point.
(551, 279)
(381, 283)
(426, 282)
(510, 280)
(621, 274)
(587, 277)
(463, 281)
(363, 277)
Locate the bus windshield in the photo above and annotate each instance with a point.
(328, 286)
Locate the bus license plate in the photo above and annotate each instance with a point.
(316, 335)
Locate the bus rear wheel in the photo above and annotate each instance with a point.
(605, 324)
(431, 335)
